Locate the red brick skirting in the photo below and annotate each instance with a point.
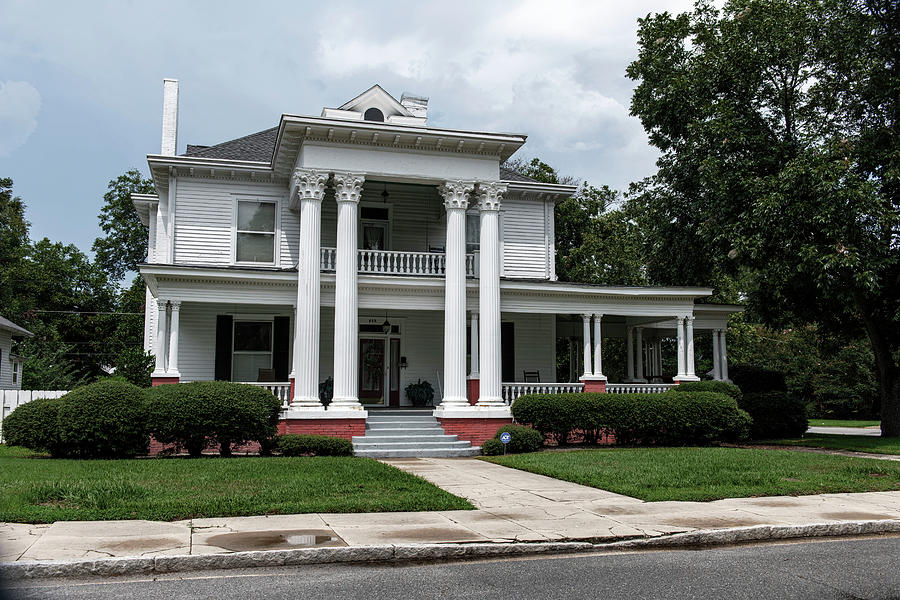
(473, 387)
(345, 428)
(594, 386)
(155, 381)
(473, 430)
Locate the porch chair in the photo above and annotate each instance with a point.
(532, 376)
(265, 375)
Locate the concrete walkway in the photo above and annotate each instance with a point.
(511, 506)
(873, 431)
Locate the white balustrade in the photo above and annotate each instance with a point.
(281, 389)
(384, 262)
(511, 391)
(638, 388)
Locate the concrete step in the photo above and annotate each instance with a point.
(401, 411)
(420, 453)
(436, 430)
(425, 439)
(370, 443)
(401, 419)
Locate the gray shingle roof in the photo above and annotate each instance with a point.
(260, 146)
(16, 330)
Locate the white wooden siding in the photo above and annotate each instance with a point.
(535, 339)
(525, 238)
(5, 364)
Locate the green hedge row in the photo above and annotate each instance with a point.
(313, 445)
(651, 419)
(114, 419)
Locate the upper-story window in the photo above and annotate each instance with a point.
(255, 231)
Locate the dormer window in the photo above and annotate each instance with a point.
(374, 114)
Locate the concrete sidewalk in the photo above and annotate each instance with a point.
(512, 506)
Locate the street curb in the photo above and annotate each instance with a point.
(106, 567)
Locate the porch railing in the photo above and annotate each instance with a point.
(281, 389)
(638, 388)
(511, 391)
(386, 262)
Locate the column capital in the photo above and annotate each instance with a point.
(309, 184)
(456, 193)
(176, 304)
(586, 317)
(348, 186)
(490, 193)
(689, 319)
(161, 303)
(598, 316)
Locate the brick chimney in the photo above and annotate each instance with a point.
(170, 117)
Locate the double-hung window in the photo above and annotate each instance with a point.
(255, 241)
(252, 349)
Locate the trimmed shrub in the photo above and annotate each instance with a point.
(719, 387)
(106, 419)
(34, 425)
(752, 379)
(522, 439)
(195, 414)
(775, 415)
(651, 419)
(313, 445)
(492, 447)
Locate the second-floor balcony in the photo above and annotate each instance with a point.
(388, 262)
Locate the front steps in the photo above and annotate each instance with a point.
(401, 433)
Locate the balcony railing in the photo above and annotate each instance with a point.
(511, 391)
(386, 262)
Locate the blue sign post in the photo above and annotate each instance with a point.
(505, 437)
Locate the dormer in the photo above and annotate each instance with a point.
(377, 106)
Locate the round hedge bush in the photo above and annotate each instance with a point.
(106, 419)
(775, 415)
(672, 418)
(492, 447)
(34, 425)
(192, 415)
(719, 387)
(522, 439)
(313, 445)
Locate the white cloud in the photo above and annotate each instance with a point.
(20, 103)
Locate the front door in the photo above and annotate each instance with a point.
(371, 370)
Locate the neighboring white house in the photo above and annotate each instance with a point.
(10, 364)
(365, 245)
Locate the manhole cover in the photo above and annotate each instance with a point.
(284, 539)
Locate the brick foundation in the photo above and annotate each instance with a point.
(344, 428)
(594, 386)
(473, 387)
(157, 448)
(473, 430)
(155, 381)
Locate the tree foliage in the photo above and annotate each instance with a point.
(780, 162)
(124, 246)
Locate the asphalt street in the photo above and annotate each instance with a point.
(860, 568)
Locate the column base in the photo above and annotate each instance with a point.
(595, 384)
(473, 386)
(351, 404)
(685, 378)
(156, 380)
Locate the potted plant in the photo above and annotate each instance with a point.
(420, 393)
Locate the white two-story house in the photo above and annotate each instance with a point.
(366, 246)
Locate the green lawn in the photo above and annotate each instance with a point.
(702, 474)
(857, 443)
(842, 423)
(43, 490)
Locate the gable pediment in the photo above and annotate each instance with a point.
(375, 104)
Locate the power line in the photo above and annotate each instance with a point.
(84, 312)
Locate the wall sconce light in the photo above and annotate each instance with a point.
(403, 363)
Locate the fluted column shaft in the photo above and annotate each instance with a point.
(347, 191)
(456, 200)
(489, 197)
(159, 341)
(310, 186)
(716, 355)
(679, 326)
(689, 346)
(586, 329)
(723, 361)
(598, 359)
(173, 339)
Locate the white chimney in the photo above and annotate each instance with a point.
(416, 105)
(170, 117)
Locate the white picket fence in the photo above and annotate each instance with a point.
(10, 399)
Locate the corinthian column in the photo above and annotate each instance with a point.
(310, 187)
(489, 196)
(456, 200)
(347, 190)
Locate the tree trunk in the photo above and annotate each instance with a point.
(888, 372)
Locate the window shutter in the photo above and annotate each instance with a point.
(281, 348)
(223, 347)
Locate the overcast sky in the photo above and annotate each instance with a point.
(81, 82)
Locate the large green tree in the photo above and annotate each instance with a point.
(780, 166)
(124, 244)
